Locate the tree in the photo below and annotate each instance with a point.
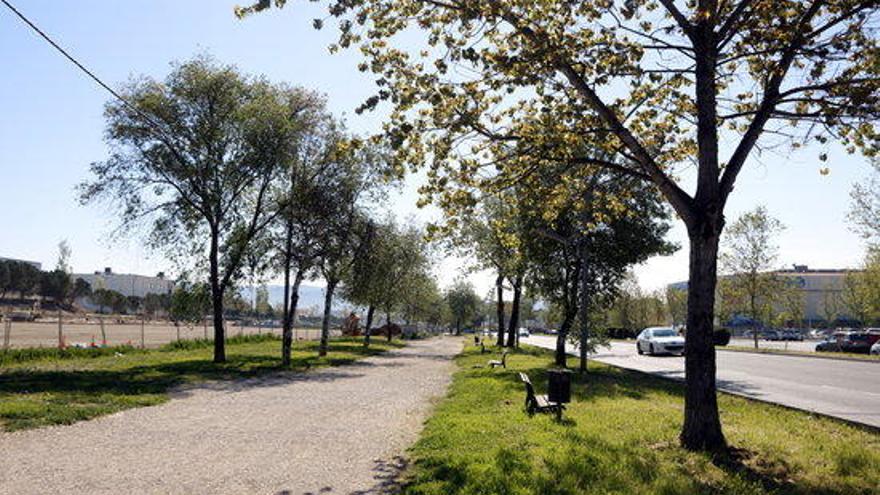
(154, 303)
(189, 303)
(658, 83)
(463, 304)
(196, 155)
(293, 235)
(790, 304)
(830, 308)
(81, 288)
(391, 273)
(109, 299)
(676, 304)
(860, 294)
(133, 304)
(345, 227)
(579, 251)
(633, 309)
(864, 211)
(489, 236)
(749, 255)
(5, 278)
(56, 285)
(20, 277)
(63, 257)
(262, 306)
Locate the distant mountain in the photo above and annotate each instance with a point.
(309, 296)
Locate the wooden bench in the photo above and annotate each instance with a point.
(539, 403)
(503, 363)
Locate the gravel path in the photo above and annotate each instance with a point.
(333, 430)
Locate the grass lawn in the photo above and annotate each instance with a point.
(619, 435)
(826, 355)
(45, 387)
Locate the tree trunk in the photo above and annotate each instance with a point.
(561, 356)
(513, 326)
(388, 325)
(217, 302)
(290, 317)
(702, 426)
(369, 326)
(285, 313)
(325, 324)
(584, 306)
(499, 308)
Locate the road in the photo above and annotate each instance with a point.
(845, 389)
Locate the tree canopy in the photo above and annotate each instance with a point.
(498, 89)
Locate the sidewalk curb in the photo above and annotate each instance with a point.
(850, 422)
(804, 355)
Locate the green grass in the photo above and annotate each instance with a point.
(787, 352)
(42, 389)
(619, 435)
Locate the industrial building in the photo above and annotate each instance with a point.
(821, 289)
(127, 284)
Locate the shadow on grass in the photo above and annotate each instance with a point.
(41, 395)
(583, 454)
(161, 377)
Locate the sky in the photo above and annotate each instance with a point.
(51, 130)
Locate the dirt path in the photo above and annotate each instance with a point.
(335, 430)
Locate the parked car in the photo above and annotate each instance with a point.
(524, 332)
(855, 342)
(792, 335)
(659, 340)
(875, 349)
(771, 335)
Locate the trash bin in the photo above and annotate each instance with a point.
(559, 387)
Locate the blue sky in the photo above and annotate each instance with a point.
(51, 128)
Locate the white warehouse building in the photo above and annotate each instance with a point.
(128, 284)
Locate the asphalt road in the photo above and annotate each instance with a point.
(845, 389)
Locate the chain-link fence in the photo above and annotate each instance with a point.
(110, 331)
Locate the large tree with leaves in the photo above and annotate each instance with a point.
(660, 84)
(490, 235)
(193, 158)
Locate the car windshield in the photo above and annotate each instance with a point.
(664, 333)
(859, 338)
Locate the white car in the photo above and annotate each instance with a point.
(875, 349)
(659, 340)
(523, 332)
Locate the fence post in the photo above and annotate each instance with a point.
(7, 330)
(60, 331)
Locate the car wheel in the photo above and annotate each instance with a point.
(639, 348)
(651, 349)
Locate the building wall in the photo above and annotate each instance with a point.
(127, 284)
(818, 287)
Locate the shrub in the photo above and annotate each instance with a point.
(721, 336)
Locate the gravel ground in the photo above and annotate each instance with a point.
(333, 430)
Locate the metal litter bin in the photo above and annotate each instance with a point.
(559, 387)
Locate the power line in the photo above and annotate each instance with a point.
(67, 55)
(162, 137)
